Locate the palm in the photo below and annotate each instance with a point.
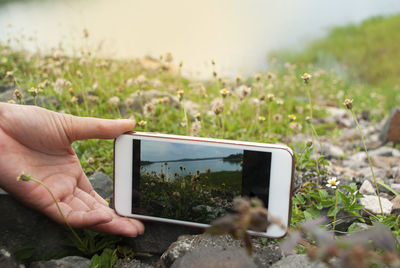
(38, 142)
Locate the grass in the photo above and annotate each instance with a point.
(368, 52)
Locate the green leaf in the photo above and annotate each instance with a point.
(307, 215)
(323, 194)
(331, 211)
(24, 254)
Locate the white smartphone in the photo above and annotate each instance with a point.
(192, 181)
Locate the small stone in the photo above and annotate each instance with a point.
(7, 259)
(385, 162)
(396, 203)
(298, 261)
(359, 157)
(367, 188)
(102, 184)
(395, 187)
(371, 203)
(66, 262)
(391, 129)
(382, 151)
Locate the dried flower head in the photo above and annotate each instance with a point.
(217, 106)
(18, 94)
(332, 183)
(295, 126)
(79, 73)
(224, 92)
(271, 97)
(262, 97)
(142, 123)
(180, 64)
(90, 160)
(33, 91)
(180, 94)
(257, 77)
(148, 109)
(308, 119)
(261, 118)
(9, 74)
(195, 129)
(279, 102)
(348, 103)
(114, 100)
(306, 77)
(85, 33)
(291, 117)
(244, 91)
(215, 73)
(212, 62)
(277, 117)
(238, 79)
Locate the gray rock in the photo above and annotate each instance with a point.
(298, 261)
(22, 227)
(102, 184)
(263, 255)
(332, 151)
(66, 262)
(367, 174)
(131, 263)
(383, 151)
(8, 260)
(396, 203)
(385, 162)
(158, 237)
(391, 129)
(215, 258)
(8, 95)
(359, 157)
(371, 203)
(367, 188)
(395, 187)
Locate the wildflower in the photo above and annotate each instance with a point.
(224, 92)
(74, 99)
(11, 101)
(18, 94)
(213, 62)
(79, 73)
(168, 57)
(279, 102)
(262, 97)
(238, 79)
(177, 194)
(277, 117)
(309, 143)
(142, 123)
(270, 75)
(197, 116)
(348, 103)
(141, 79)
(23, 177)
(71, 91)
(257, 77)
(292, 117)
(180, 64)
(261, 118)
(180, 167)
(180, 94)
(60, 84)
(148, 109)
(114, 100)
(90, 160)
(306, 77)
(217, 106)
(34, 91)
(215, 73)
(40, 85)
(332, 183)
(9, 74)
(308, 119)
(244, 91)
(271, 97)
(208, 170)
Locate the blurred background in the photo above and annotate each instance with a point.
(239, 35)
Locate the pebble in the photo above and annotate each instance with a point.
(371, 203)
(367, 188)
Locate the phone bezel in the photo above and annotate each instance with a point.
(280, 187)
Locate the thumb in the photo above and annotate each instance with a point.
(81, 128)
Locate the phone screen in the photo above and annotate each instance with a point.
(195, 183)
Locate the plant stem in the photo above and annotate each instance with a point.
(59, 210)
(369, 160)
(334, 215)
(313, 129)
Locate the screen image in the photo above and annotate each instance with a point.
(195, 183)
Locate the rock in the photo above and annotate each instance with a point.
(396, 203)
(298, 261)
(367, 174)
(395, 187)
(131, 263)
(102, 184)
(359, 157)
(367, 188)
(383, 151)
(138, 101)
(66, 262)
(7, 259)
(385, 162)
(215, 258)
(371, 203)
(8, 95)
(158, 237)
(330, 150)
(263, 255)
(350, 134)
(391, 129)
(22, 227)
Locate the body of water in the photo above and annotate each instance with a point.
(238, 34)
(191, 167)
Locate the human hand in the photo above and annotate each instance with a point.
(38, 142)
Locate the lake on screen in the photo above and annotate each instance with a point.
(191, 167)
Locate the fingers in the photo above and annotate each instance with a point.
(81, 128)
(121, 226)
